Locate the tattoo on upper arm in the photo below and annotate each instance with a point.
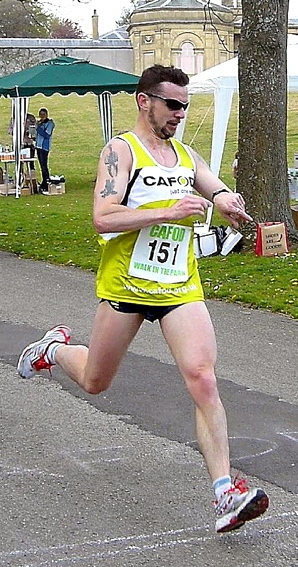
(111, 161)
(109, 188)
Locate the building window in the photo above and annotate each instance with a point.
(187, 58)
(190, 60)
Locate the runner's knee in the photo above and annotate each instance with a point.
(201, 383)
(96, 384)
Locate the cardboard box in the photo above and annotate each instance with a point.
(7, 189)
(26, 191)
(30, 181)
(56, 189)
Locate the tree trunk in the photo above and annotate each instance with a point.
(262, 177)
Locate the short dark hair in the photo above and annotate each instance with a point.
(43, 110)
(153, 76)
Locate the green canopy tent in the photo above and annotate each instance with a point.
(64, 75)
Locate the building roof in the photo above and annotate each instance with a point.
(178, 5)
(118, 37)
(118, 33)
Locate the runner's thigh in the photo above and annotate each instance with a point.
(190, 335)
(111, 336)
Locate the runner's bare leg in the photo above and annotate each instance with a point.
(93, 368)
(189, 332)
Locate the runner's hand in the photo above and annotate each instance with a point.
(231, 206)
(188, 206)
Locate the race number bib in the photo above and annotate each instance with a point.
(160, 253)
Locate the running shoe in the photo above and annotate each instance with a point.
(34, 357)
(239, 505)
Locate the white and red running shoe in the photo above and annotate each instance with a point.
(34, 357)
(238, 505)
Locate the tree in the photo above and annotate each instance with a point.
(21, 19)
(28, 19)
(66, 29)
(262, 177)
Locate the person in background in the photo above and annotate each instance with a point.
(149, 190)
(29, 135)
(235, 165)
(28, 142)
(44, 132)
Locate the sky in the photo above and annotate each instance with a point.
(82, 12)
(109, 11)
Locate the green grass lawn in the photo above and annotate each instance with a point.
(59, 229)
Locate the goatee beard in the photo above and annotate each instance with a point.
(165, 134)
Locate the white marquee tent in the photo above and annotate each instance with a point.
(222, 81)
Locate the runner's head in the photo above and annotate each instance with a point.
(162, 98)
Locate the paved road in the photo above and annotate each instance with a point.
(115, 479)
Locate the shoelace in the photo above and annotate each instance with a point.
(240, 485)
(41, 364)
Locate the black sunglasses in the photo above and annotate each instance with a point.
(172, 103)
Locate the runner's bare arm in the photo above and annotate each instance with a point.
(109, 215)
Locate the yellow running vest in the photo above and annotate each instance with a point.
(155, 265)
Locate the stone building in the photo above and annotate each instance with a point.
(190, 34)
(185, 33)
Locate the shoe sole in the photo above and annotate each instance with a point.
(32, 345)
(253, 509)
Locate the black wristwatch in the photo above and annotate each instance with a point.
(222, 190)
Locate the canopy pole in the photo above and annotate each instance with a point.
(105, 109)
(19, 113)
